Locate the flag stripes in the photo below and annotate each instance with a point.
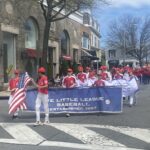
(18, 101)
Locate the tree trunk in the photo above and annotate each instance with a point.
(45, 42)
(46, 34)
(140, 62)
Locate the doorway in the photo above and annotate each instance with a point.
(9, 52)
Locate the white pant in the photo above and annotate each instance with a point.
(42, 98)
(9, 102)
(132, 99)
(10, 99)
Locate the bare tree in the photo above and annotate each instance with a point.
(131, 35)
(54, 10)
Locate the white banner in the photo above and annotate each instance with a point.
(129, 87)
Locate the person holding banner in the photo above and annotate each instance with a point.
(126, 75)
(103, 73)
(87, 72)
(134, 85)
(92, 78)
(118, 75)
(69, 81)
(99, 82)
(13, 83)
(81, 77)
(42, 96)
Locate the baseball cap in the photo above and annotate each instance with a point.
(69, 70)
(41, 70)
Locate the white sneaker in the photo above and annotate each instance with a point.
(37, 123)
(67, 115)
(46, 122)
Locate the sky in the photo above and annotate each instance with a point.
(116, 9)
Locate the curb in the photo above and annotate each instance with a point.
(4, 97)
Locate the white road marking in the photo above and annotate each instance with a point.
(138, 133)
(9, 141)
(85, 135)
(84, 146)
(22, 134)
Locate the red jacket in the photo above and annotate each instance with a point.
(104, 75)
(69, 81)
(81, 77)
(42, 82)
(99, 82)
(13, 83)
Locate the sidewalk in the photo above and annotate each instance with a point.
(4, 95)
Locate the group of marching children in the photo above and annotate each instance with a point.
(88, 78)
(81, 79)
(143, 74)
(91, 78)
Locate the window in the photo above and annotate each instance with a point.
(95, 41)
(75, 55)
(65, 43)
(31, 34)
(112, 53)
(86, 18)
(92, 23)
(92, 39)
(85, 42)
(98, 43)
(53, 26)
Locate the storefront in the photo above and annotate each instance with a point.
(21, 33)
(113, 63)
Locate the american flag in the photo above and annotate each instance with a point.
(18, 100)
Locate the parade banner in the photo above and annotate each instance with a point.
(80, 100)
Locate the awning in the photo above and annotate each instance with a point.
(32, 53)
(86, 52)
(65, 57)
(90, 55)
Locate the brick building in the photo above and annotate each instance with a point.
(21, 39)
(21, 33)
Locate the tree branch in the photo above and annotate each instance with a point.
(44, 9)
(58, 3)
(65, 16)
(58, 12)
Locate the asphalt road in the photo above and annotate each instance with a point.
(128, 130)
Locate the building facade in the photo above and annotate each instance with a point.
(21, 33)
(94, 39)
(114, 58)
(21, 39)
